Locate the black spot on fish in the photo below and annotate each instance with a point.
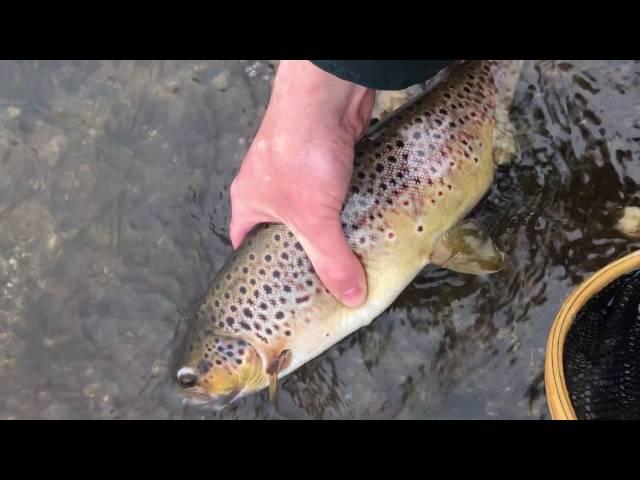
(247, 313)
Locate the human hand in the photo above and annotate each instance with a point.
(298, 169)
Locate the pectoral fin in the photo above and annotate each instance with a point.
(467, 248)
(280, 363)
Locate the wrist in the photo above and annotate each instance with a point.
(316, 92)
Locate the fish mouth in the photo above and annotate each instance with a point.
(197, 397)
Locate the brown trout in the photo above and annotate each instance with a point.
(416, 176)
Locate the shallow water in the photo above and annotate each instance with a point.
(113, 217)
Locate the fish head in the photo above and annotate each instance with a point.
(220, 369)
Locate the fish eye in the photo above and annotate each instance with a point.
(187, 377)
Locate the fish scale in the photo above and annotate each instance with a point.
(416, 176)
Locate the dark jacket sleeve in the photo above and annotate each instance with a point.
(383, 74)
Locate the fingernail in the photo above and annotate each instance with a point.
(352, 297)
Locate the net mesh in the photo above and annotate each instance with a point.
(602, 353)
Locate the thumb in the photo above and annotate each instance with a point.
(338, 268)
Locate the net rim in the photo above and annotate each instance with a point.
(556, 389)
